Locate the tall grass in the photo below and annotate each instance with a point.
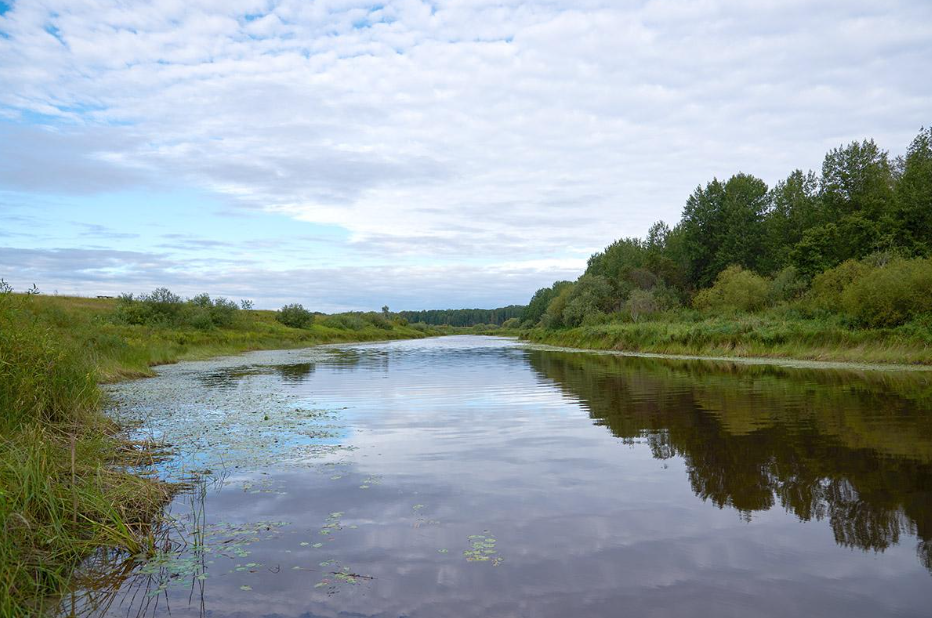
(777, 333)
(67, 484)
(62, 492)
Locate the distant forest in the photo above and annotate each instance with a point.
(855, 238)
(463, 317)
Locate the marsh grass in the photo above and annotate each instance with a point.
(773, 334)
(69, 484)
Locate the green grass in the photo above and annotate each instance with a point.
(67, 481)
(773, 334)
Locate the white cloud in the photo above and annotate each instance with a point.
(545, 125)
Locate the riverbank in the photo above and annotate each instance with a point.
(762, 335)
(67, 481)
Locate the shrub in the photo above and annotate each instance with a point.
(553, 316)
(641, 302)
(160, 308)
(890, 295)
(379, 321)
(735, 289)
(592, 294)
(164, 308)
(294, 315)
(345, 321)
(827, 287)
(787, 285)
(202, 312)
(512, 323)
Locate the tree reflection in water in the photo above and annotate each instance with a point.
(851, 448)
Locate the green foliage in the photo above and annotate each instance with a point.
(641, 303)
(724, 224)
(295, 316)
(43, 378)
(914, 197)
(827, 288)
(462, 317)
(553, 317)
(735, 289)
(378, 320)
(591, 295)
(787, 285)
(537, 308)
(205, 312)
(806, 225)
(857, 179)
(346, 321)
(162, 308)
(891, 294)
(794, 208)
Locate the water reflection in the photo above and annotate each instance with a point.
(297, 372)
(473, 476)
(850, 448)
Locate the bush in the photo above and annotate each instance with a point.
(163, 308)
(641, 302)
(890, 295)
(379, 321)
(827, 287)
(512, 323)
(735, 289)
(160, 308)
(786, 285)
(553, 316)
(295, 316)
(202, 312)
(345, 321)
(592, 294)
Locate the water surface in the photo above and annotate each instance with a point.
(475, 476)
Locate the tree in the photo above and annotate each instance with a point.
(591, 295)
(641, 302)
(723, 224)
(857, 179)
(537, 307)
(794, 208)
(294, 315)
(913, 209)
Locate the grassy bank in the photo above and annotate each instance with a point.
(66, 480)
(773, 334)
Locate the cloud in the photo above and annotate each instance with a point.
(508, 130)
(95, 230)
(90, 272)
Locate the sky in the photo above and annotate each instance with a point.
(347, 154)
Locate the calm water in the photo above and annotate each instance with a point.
(474, 476)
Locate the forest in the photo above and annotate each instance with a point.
(849, 245)
(463, 317)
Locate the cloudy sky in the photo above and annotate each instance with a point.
(347, 154)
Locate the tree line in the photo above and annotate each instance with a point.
(463, 317)
(744, 245)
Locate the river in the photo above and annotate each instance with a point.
(478, 476)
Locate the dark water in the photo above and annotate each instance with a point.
(472, 476)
